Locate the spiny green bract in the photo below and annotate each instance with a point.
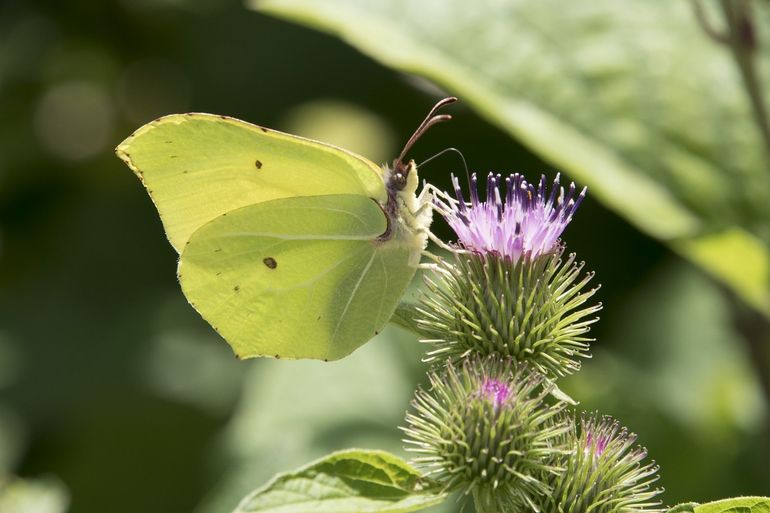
(603, 473)
(485, 428)
(531, 310)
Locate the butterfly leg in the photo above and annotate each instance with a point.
(440, 243)
(424, 212)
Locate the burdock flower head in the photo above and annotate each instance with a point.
(604, 472)
(522, 221)
(485, 428)
(507, 291)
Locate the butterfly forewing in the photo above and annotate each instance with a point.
(199, 166)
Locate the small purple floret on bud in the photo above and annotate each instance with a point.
(495, 391)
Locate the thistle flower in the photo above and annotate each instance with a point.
(604, 473)
(483, 428)
(508, 291)
(526, 222)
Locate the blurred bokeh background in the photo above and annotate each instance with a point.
(115, 396)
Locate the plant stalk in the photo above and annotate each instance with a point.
(741, 38)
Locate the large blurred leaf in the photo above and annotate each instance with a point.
(355, 481)
(631, 98)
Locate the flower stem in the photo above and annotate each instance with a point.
(741, 38)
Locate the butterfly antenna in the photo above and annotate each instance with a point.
(447, 150)
(431, 119)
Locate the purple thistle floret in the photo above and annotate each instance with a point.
(597, 445)
(600, 433)
(524, 220)
(496, 391)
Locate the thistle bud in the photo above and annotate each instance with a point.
(604, 472)
(485, 428)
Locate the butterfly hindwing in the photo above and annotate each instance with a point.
(302, 277)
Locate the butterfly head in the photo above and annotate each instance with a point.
(403, 175)
(409, 215)
(400, 175)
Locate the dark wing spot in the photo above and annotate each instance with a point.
(223, 117)
(173, 156)
(258, 164)
(217, 250)
(169, 142)
(263, 129)
(277, 357)
(236, 288)
(376, 332)
(270, 262)
(319, 318)
(184, 172)
(219, 273)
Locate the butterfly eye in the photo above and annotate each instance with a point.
(398, 181)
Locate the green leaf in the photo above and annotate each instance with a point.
(736, 505)
(354, 481)
(632, 99)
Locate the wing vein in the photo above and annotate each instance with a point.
(302, 236)
(317, 277)
(352, 295)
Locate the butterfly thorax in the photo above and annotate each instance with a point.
(409, 215)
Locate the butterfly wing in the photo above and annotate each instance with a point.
(199, 166)
(303, 277)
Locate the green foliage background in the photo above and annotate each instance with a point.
(112, 386)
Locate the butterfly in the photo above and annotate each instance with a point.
(288, 247)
